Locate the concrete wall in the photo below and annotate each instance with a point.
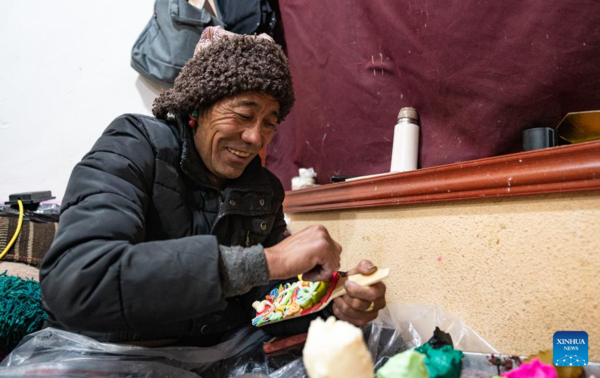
(515, 269)
(64, 75)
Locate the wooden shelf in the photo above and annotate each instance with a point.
(553, 170)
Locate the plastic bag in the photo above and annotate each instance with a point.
(415, 325)
(95, 368)
(62, 352)
(398, 328)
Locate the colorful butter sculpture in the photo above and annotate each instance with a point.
(302, 298)
(409, 364)
(292, 299)
(533, 369)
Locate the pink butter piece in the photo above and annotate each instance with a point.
(533, 369)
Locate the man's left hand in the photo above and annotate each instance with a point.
(360, 304)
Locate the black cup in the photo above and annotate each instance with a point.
(538, 138)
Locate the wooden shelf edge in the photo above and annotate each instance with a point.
(563, 169)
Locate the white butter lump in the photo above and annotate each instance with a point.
(336, 349)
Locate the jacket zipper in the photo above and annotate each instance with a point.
(219, 214)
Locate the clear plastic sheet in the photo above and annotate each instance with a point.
(398, 328)
(415, 325)
(61, 353)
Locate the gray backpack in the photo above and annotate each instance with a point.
(169, 39)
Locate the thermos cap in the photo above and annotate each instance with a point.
(410, 113)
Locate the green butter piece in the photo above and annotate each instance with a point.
(445, 362)
(287, 295)
(320, 291)
(304, 298)
(409, 364)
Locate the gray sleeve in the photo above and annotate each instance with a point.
(242, 269)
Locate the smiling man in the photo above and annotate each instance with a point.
(171, 228)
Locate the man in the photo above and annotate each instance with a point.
(170, 228)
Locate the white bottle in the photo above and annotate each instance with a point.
(405, 150)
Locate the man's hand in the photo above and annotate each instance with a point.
(311, 252)
(355, 306)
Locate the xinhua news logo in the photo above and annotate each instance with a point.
(570, 348)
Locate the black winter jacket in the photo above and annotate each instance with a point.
(136, 255)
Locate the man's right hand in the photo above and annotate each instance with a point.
(311, 252)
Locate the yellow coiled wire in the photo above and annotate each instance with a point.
(16, 235)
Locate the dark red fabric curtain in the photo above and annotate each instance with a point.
(478, 72)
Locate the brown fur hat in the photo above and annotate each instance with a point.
(229, 66)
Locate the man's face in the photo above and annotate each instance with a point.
(232, 132)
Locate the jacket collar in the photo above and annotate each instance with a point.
(193, 167)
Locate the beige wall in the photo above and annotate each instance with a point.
(515, 269)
